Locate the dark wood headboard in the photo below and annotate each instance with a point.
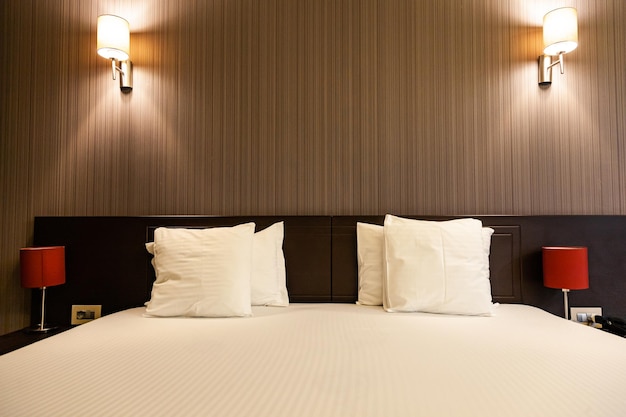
(107, 263)
(515, 261)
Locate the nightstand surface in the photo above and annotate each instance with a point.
(20, 338)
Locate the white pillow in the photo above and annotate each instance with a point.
(268, 281)
(435, 267)
(370, 240)
(486, 234)
(202, 272)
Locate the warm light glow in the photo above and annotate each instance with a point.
(560, 31)
(113, 37)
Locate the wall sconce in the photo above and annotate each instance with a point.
(114, 44)
(560, 36)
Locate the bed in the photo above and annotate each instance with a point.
(323, 354)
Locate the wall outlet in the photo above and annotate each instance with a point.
(584, 315)
(84, 313)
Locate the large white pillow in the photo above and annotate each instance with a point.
(268, 281)
(202, 272)
(370, 241)
(435, 267)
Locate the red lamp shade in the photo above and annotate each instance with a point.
(42, 267)
(565, 267)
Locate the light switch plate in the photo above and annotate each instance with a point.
(584, 314)
(84, 313)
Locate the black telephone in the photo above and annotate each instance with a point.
(613, 325)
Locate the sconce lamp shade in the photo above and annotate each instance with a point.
(42, 267)
(565, 267)
(113, 37)
(560, 31)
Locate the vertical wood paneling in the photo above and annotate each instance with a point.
(287, 70)
(368, 164)
(619, 106)
(305, 107)
(15, 153)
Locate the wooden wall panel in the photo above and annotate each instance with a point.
(305, 107)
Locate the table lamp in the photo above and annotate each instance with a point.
(565, 267)
(42, 267)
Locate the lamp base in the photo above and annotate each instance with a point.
(39, 329)
(565, 303)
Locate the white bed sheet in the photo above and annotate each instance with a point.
(321, 360)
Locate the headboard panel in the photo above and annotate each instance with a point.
(107, 262)
(516, 267)
(505, 262)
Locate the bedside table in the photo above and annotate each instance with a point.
(20, 338)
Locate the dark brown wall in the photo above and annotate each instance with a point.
(304, 107)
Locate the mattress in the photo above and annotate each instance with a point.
(320, 360)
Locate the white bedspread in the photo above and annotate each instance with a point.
(321, 360)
